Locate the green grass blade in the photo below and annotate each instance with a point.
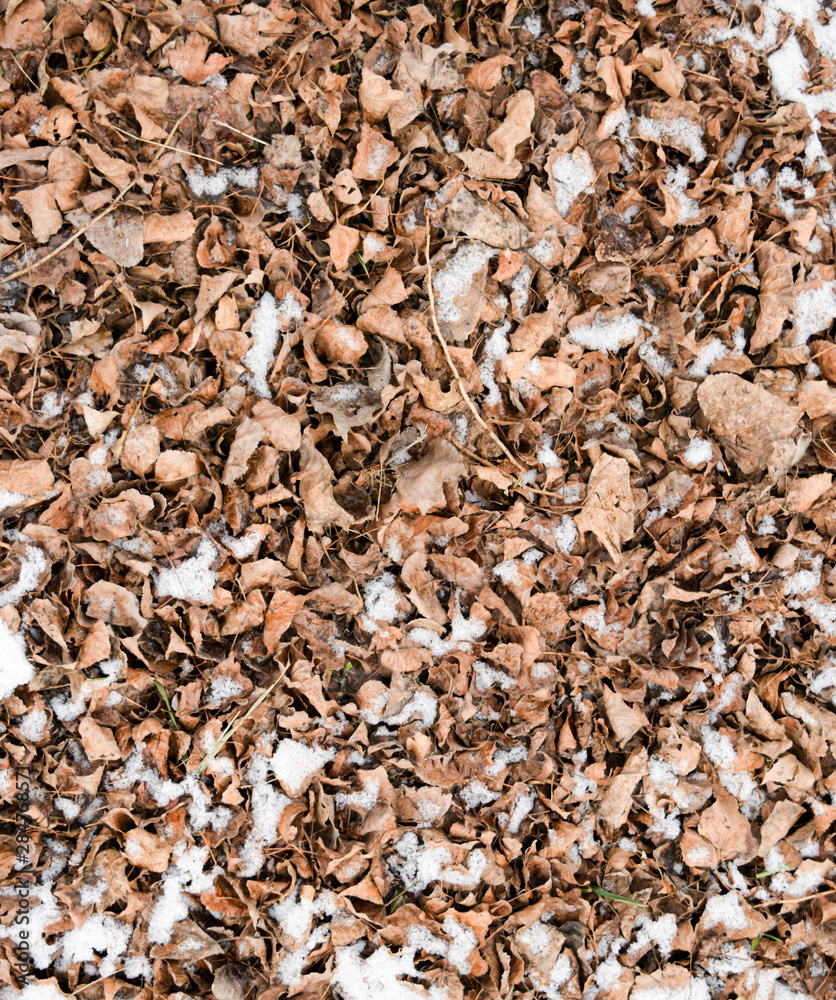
(775, 871)
(230, 730)
(611, 896)
(167, 703)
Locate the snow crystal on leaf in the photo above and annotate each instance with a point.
(417, 865)
(455, 279)
(214, 185)
(265, 333)
(726, 910)
(185, 875)
(33, 725)
(698, 452)
(8, 498)
(294, 763)
(476, 793)
(32, 565)
(680, 131)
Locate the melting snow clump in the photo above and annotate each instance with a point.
(417, 865)
(265, 333)
(573, 175)
(678, 130)
(8, 498)
(212, 186)
(185, 875)
(15, 668)
(381, 601)
(32, 566)
(192, 580)
(607, 335)
(698, 452)
(456, 278)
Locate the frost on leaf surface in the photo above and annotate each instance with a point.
(417, 499)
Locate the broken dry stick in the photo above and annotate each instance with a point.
(470, 404)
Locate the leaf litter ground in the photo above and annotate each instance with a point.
(418, 431)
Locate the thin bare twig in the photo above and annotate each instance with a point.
(118, 453)
(54, 253)
(794, 899)
(164, 145)
(455, 372)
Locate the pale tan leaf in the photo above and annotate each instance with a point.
(487, 74)
(97, 741)
(778, 824)
(483, 164)
(176, 465)
(375, 154)
(316, 489)
(609, 509)
(345, 344)
(625, 720)
(617, 800)
(111, 603)
(39, 205)
(189, 58)
(175, 228)
(343, 241)
(516, 128)
(751, 423)
(119, 236)
(803, 493)
(492, 224)
(114, 169)
(657, 63)
(377, 96)
(420, 485)
(147, 850)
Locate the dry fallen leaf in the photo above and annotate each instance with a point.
(421, 484)
(609, 510)
(315, 489)
(357, 643)
(377, 96)
(119, 236)
(754, 426)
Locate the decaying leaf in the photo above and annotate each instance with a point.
(421, 483)
(119, 236)
(755, 427)
(609, 509)
(316, 489)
